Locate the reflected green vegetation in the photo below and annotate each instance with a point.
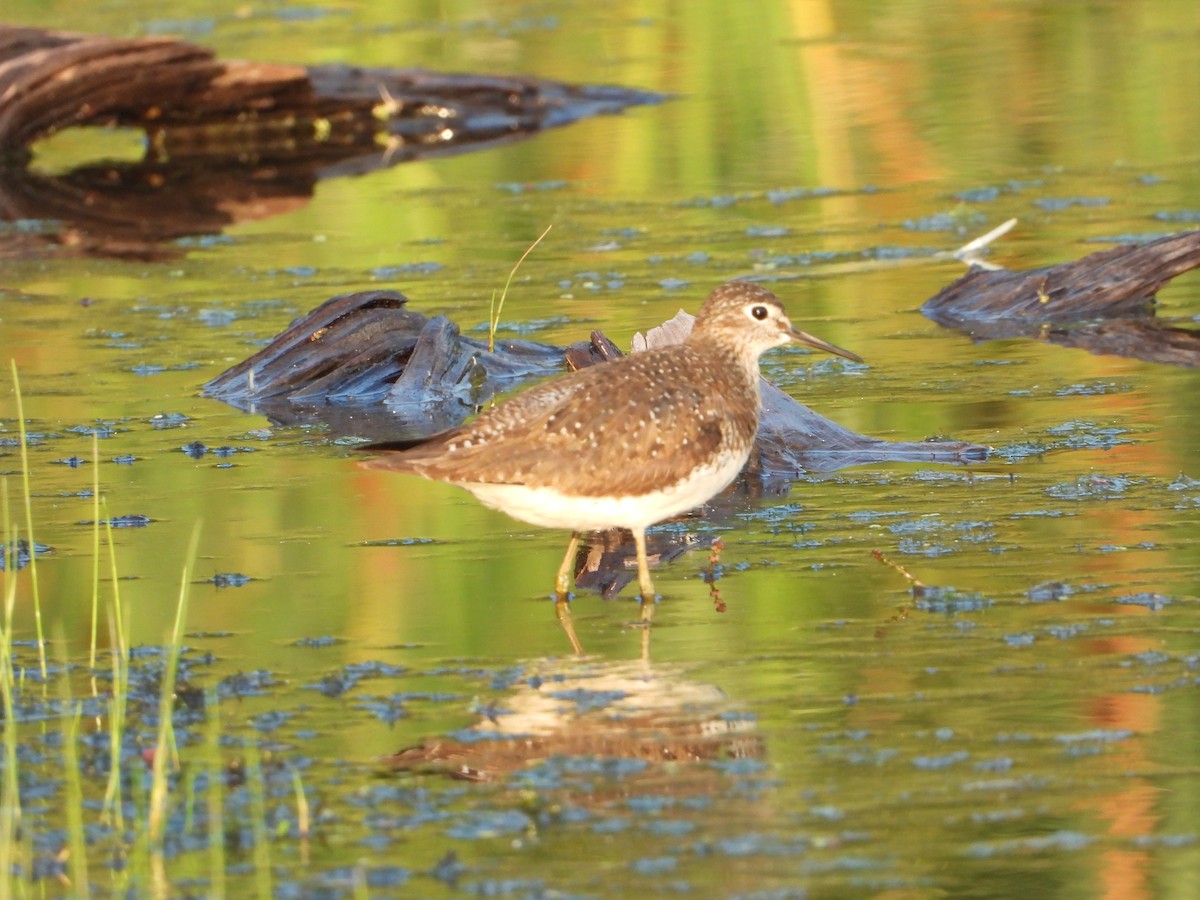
(1032, 731)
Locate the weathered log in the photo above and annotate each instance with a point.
(191, 103)
(364, 365)
(1062, 303)
(793, 438)
(407, 377)
(367, 365)
(229, 140)
(136, 211)
(1145, 339)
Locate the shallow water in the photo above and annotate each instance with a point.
(1030, 729)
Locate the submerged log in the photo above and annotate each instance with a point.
(406, 377)
(230, 140)
(191, 103)
(1103, 302)
(793, 438)
(365, 365)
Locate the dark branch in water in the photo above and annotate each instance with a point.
(230, 140)
(1103, 303)
(365, 364)
(192, 104)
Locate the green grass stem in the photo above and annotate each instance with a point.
(215, 796)
(189, 802)
(164, 749)
(494, 309)
(303, 814)
(95, 549)
(33, 576)
(77, 862)
(118, 608)
(10, 797)
(361, 892)
(258, 815)
(11, 813)
(112, 810)
(135, 878)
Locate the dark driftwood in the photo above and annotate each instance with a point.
(365, 365)
(407, 377)
(230, 140)
(1103, 302)
(191, 103)
(793, 438)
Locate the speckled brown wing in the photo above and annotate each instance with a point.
(477, 445)
(568, 433)
(626, 450)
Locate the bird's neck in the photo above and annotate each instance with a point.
(735, 361)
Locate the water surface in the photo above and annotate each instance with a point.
(1030, 729)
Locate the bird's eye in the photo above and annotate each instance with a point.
(759, 312)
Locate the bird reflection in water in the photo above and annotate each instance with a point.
(628, 717)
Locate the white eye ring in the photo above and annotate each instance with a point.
(759, 312)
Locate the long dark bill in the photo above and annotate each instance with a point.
(805, 338)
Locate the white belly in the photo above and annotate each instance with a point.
(552, 508)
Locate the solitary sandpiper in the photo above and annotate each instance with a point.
(624, 444)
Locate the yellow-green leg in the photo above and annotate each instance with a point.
(562, 593)
(644, 583)
(562, 584)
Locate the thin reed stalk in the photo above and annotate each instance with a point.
(164, 749)
(118, 607)
(11, 813)
(258, 814)
(95, 549)
(215, 796)
(33, 575)
(76, 844)
(112, 810)
(10, 796)
(495, 308)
